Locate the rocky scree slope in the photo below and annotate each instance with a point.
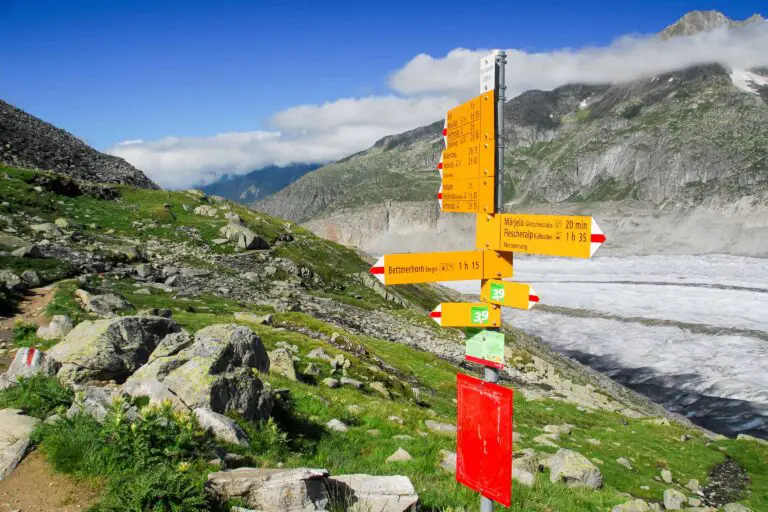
(28, 142)
(216, 309)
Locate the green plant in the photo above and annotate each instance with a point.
(37, 396)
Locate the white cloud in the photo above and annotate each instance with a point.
(308, 133)
(626, 59)
(428, 87)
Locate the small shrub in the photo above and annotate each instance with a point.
(73, 445)
(37, 396)
(24, 335)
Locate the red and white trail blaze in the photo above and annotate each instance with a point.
(378, 269)
(597, 238)
(437, 314)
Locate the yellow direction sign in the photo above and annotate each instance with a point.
(467, 314)
(467, 196)
(509, 294)
(470, 139)
(432, 267)
(547, 235)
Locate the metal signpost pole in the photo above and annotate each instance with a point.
(492, 374)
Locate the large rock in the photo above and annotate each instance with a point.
(364, 493)
(97, 401)
(632, 506)
(58, 328)
(735, 507)
(222, 428)
(243, 236)
(216, 371)
(31, 278)
(281, 363)
(107, 304)
(206, 211)
(441, 428)
(110, 349)
(674, 499)
(11, 281)
(15, 430)
(575, 470)
(272, 490)
(27, 362)
(525, 467)
(28, 251)
(155, 391)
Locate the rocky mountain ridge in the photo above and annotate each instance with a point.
(29, 142)
(257, 184)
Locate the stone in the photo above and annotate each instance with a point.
(11, 281)
(625, 462)
(354, 409)
(107, 304)
(96, 402)
(217, 371)
(58, 328)
(693, 485)
(632, 506)
(110, 349)
(47, 228)
(331, 383)
(171, 344)
(337, 425)
(396, 419)
(31, 278)
(318, 353)
(346, 381)
(674, 499)
(525, 467)
(233, 217)
(448, 461)
(381, 388)
(751, 439)
(366, 493)
(416, 394)
(64, 223)
(666, 476)
(206, 211)
(129, 254)
(547, 440)
(222, 428)
(374, 432)
(294, 490)
(694, 502)
(243, 237)
(143, 291)
(28, 362)
(281, 363)
(574, 470)
(735, 507)
(312, 369)
(222, 241)
(563, 430)
(155, 391)
(440, 428)
(15, 430)
(244, 316)
(28, 251)
(400, 455)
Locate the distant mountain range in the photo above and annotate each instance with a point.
(689, 138)
(258, 184)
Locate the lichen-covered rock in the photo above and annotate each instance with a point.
(110, 349)
(379, 493)
(216, 371)
(222, 428)
(27, 362)
(271, 490)
(442, 428)
(244, 237)
(15, 430)
(59, 327)
(31, 278)
(400, 455)
(107, 304)
(206, 211)
(448, 461)
(575, 470)
(97, 401)
(28, 251)
(632, 506)
(171, 345)
(281, 363)
(380, 388)
(674, 499)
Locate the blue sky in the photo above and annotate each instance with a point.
(110, 70)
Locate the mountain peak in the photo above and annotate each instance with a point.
(695, 22)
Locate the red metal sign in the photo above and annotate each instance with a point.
(484, 438)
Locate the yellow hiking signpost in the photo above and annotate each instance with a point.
(471, 169)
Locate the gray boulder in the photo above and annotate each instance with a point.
(674, 499)
(15, 430)
(110, 349)
(47, 229)
(27, 362)
(11, 281)
(171, 345)
(448, 461)
(380, 493)
(107, 305)
(96, 402)
(735, 507)
(59, 327)
(441, 428)
(243, 236)
(222, 428)
(525, 467)
(272, 490)
(155, 391)
(216, 371)
(206, 211)
(31, 278)
(346, 381)
(331, 383)
(28, 251)
(400, 455)
(575, 470)
(281, 363)
(632, 506)
(337, 425)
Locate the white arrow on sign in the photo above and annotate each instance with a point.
(488, 73)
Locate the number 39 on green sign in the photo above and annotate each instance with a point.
(479, 314)
(497, 292)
